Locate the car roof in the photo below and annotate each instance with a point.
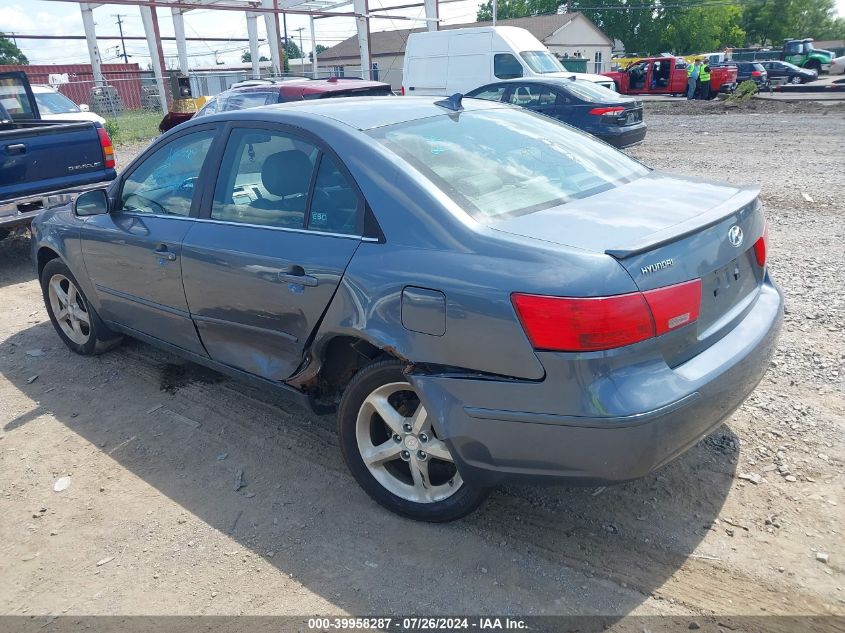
(307, 86)
(361, 113)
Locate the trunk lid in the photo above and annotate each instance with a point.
(664, 230)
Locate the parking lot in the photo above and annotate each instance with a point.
(748, 522)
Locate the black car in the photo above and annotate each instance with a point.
(613, 118)
(790, 73)
(750, 70)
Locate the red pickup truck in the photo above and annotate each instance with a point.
(667, 75)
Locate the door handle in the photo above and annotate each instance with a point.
(162, 253)
(16, 148)
(296, 275)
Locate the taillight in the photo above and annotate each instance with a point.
(760, 247)
(588, 324)
(108, 149)
(403, 91)
(756, 73)
(605, 111)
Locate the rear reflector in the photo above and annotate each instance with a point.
(108, 149)
(603, 111)
(588, 324)
(674, 306)
(760, 247)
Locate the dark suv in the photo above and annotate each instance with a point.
(258, 92)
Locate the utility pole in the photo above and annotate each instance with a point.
(122, 42)
(300, 29)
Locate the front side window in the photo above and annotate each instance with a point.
(501, 163)
(542, 62)
(54, 103)
(164, 183)
(506, 66)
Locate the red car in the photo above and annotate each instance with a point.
(667, 75)
(258, 92)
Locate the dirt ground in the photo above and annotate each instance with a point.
(152, 524)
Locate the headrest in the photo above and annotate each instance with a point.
(287, 173)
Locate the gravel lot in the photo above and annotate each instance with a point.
(151, 523)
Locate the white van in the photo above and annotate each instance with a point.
(460, 60)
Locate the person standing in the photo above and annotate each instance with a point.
(693, 70)
(704, 82)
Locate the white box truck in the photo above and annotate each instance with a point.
(460, 60)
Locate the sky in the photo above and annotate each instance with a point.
(36, 17)
(64, 18)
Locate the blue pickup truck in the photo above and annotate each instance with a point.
(44, 163)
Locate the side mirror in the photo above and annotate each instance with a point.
(84, 107)
(94, 202)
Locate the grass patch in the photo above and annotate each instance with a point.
(133, 125)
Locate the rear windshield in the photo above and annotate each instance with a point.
(506, 162)
(378, 91)
(54, 103)
(591, 92)
(542, 62)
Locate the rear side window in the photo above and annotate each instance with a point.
(504, 162)
(264, 179)
(164, 183)
(267, 178)
(494, 93)
(14, 98)
(532, 96)
(506, 66)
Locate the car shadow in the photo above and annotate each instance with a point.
(190, 433)
(15, 263)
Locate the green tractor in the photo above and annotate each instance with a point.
(801, 53)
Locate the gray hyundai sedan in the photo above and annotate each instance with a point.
(480, 292)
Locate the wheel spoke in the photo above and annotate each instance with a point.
(61, 296)
(419, 419)
(61, 313)
(83, 317)
(71, 294)
(392, 418)
(382, 453)
(74, 324)
(437, 449)
(419, 473)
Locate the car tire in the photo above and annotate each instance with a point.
(796, 80)
(393, 451)
(74, 318)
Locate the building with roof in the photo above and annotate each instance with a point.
(570, 35)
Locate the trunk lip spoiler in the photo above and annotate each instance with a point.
(738, 203)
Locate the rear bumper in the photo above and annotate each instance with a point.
(727, 88)
(623, 136)
(635, 419)
(21, 211)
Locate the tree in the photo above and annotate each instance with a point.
(769, 23)
(292, 50)
(644, 26)
(320, 49)
(10, 53)
(246, 58)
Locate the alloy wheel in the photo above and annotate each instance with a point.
(69, 309)
(400, 447)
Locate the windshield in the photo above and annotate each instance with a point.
(542, 62)
(54, 103)
(506, 162)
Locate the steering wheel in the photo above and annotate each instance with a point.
(147, 202)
